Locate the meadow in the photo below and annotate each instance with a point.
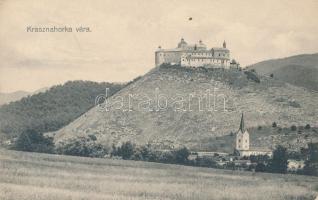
(34, 176)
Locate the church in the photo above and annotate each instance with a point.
(195, 55)
(242, 144)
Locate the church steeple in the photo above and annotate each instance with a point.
(242, 137)
(242, 125)
(224, 44)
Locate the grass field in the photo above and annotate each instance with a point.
(33, 176)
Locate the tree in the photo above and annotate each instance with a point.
(279, 162)
(307, 126)
(127, 150)
(293, 128)
(31, 140)
(311, 164)
(182, 155)
(272, 75)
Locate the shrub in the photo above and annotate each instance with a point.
(307, 126)
(252, 76)
(259, 158)
(166, 157)
(294, 104)
(205, 162)
(260, 167)
(274, 125)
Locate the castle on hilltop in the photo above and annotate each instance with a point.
(196, 55)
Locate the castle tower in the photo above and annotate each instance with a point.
(242, 137)
(182, 44)
(224, 44)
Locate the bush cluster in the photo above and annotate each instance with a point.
(129, 151)
(82, 146)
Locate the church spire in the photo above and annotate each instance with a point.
(242, 126)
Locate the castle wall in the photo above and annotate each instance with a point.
(173, 57)
(207, 62)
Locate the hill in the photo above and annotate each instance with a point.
(52, 109)
(6, 98)
(300, 70)
(13, 96)
(184, 121)
(27, 176)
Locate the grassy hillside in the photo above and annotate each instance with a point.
(52, 109)
(266, 137)
(140, 121)
(25, 176)
(300, 70)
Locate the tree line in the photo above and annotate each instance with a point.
(33, 141)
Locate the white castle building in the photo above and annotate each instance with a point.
(196, 55)
(242, 146)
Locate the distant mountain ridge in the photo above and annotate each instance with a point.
(299, 70)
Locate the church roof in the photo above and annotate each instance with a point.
(242, 124)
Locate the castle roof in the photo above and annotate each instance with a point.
(219, 49)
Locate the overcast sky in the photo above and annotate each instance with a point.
(124, 35)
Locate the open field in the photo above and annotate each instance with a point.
(42, 176)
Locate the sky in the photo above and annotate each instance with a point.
(125, 34)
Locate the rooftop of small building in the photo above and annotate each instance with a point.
(257, 150)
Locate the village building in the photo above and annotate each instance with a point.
(196, 55)
(295, 165)
(242, 147)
